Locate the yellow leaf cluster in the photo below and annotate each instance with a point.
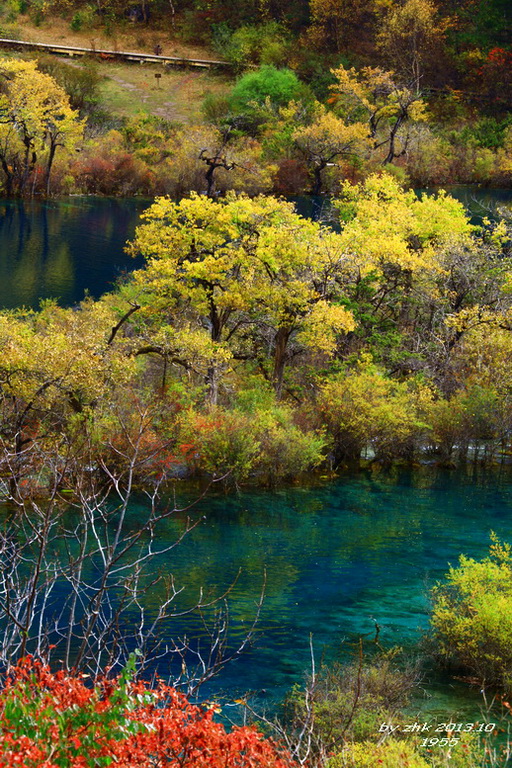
(329, 136)
(324, 324)
(235, 256)
(388, 225)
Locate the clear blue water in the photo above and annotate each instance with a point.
(338, 555)
(62, 248)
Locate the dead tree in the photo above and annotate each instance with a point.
(75, 569)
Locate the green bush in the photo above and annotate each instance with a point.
(38, 10)
(256, 438)
(83, 19)
(468, 418)
(81, 83)
(258, 44)
(472, 616)
(469, 752)
(351, 701)
(285, 450)
(215, 108)
(278, 86)
(13, 8)
(488, 132)
(223, 443)
(365, 409)
(76, 22)
(315, 69)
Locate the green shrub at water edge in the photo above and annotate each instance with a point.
(349, 702)
(472, 616)
(240, 443)
(392, 754)
(469, 752)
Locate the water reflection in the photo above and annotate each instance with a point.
(63, 248)
(338, 556)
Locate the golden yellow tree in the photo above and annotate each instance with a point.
(35, 119)
(224, 266)
(410, 32)
(375, 96)
(327, 139)
(385, 225)
(56, 368)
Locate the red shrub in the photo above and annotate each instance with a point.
(52, 720)
(291, 178)
(115, 172)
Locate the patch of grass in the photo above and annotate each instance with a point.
(176, 96)
(127, 88)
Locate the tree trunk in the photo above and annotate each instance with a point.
(281, 341)
(392, 136)
(210, 182)
(28, 163)
(173, 14)
(212, 379)
(8, 178)
(53, 149)
(317, 184)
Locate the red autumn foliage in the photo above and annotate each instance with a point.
(291, 177)
(51, 720)
(499, 56)
(115, 172)
(495, 74)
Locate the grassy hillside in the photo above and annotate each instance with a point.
(176, 97)
(127, 88)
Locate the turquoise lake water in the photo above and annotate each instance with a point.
(339, 555)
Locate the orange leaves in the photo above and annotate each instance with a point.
(53, 720)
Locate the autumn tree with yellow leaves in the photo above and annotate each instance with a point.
(326, 140)
(383, 224)
(236, 270)
(386, 106)
(363, 408)
(35, 120)
(239, 290)
(409, 35)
